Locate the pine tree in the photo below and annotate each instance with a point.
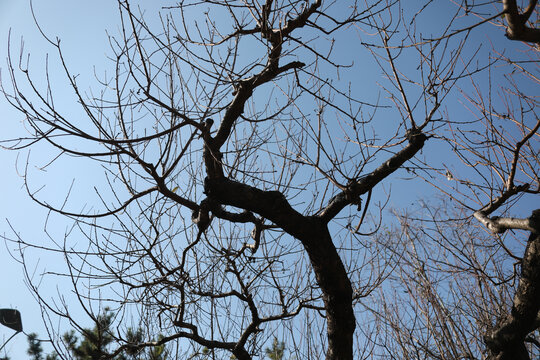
(92, 343)
(277, 351)
(34, 347)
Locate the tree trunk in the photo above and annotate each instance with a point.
(313, 232)
(337, 292)
(508, 340)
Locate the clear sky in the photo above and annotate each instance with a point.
(81, 26)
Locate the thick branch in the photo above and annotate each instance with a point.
(500, 225)
(517, 28)
(507, 341)
(329, 270)
(271, 70)
(271, 205)
(366, 183)
(243, 93)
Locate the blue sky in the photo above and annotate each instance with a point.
(82, 28)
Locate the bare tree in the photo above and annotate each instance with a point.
(471, 289)
(237, 141)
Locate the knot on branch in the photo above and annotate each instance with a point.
(206, 126)
(256, 236)
(352, 196)
(520, 188)
(295, 65)
(495, 226)
(534, 221)
(504, 340)
(201, 216)
(210, 185)
(415, 135)
(238, 86)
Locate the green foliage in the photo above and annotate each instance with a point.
(205, 354)
(133, 337)
(94, 343)
(35, 350)
(34, 347)
(277, 351)
(157, 353)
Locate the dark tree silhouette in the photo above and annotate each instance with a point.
(245, 149)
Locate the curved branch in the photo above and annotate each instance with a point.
(366, 183)
(314, 235)
(517, 28)
(93, 216)
(270, 71)
(500, 225)
(507, 340)
(244, 92)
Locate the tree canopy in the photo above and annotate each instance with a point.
(360, 179)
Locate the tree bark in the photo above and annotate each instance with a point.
(313, 233)
(517, 23)
(508, 340)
